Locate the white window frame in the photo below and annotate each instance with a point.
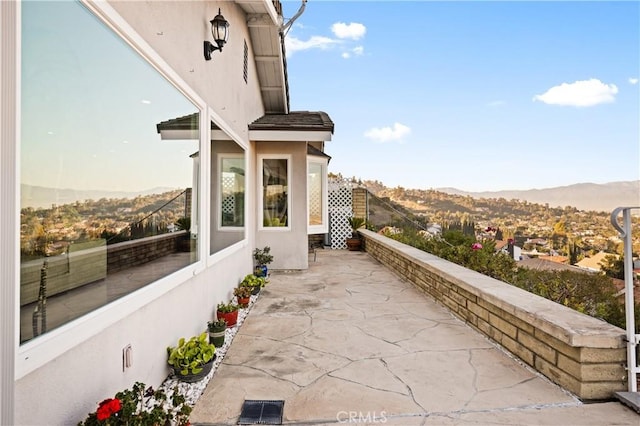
(37, 352)
(221, 157)
(260, 168)
(324, 227)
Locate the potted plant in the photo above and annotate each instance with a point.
(217, 330)
(354, 243)
(243, 294)
(228, 312)
(192, 359)
(262, 258)
(141, 406)
(253, 282)
(184, 242)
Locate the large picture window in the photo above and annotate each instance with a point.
(276, 199)
(107, 205)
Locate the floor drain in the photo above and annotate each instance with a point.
(259, 412)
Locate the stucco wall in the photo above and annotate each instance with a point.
(65, 389)
(177, 29)
(289, 247)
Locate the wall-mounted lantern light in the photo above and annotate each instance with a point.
(220, 33)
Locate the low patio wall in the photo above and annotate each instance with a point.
(582, 354)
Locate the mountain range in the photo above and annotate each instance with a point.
(44, 197)
(583, 196)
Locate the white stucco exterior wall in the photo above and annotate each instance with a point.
(288, 247)
(64, 389)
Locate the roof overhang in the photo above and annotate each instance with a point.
(264, 21)
(300, 126)
(289, 135)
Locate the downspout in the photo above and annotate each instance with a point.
(285, 28)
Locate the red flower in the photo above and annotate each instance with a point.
(476, 246)
(108, 407)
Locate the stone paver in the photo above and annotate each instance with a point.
(347, 341)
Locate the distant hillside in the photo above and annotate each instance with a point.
(43, 197)
(583, 196)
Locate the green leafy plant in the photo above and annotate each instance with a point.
(141, 406)
(263, 256)
(355, 223)
(225, 308)
(252, 280)
(190, 355)
(183, 224)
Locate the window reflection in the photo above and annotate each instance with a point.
(275, 188)
(227, 191)
(107, 205)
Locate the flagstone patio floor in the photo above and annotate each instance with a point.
(347, 341)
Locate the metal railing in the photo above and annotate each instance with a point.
(633, 339)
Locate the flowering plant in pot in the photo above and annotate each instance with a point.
(262, 258)
(228, 312)
(141, 406)
(243, 294)
(192, 359)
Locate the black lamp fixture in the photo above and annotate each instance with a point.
(220, 33)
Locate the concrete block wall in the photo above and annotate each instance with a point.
(136, 252)
(582, 354)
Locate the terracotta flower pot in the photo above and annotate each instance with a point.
(230, 317)
(244, 301)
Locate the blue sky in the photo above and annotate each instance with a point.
(473, 95)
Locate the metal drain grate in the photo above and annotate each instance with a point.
(259, 412)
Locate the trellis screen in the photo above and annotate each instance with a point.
(340, 210)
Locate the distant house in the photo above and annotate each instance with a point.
(547, 265)
(507, 247)
(556, 258)
(594, 262)
(125, 96)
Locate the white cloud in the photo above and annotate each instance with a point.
(293, 44)
(581, 93)
(354, 30)
(356, 51)
(633, 80)
(387, 134)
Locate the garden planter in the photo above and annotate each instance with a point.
(244, 301)
(255, 290)
(216, 336)
(230, 317)
(192, 378)
(261, 271)
(354, 244)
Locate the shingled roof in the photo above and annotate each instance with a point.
(295, 120)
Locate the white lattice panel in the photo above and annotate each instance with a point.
(315, 201)
(340, 210)
(228, 202)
